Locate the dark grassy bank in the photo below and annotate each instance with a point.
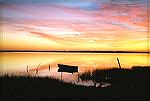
(36, 88)
(136, 77)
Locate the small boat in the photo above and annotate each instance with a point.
(67, 68)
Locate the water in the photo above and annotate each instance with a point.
(17, 62)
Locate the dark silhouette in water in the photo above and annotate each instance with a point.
(119, 63)
(27, 69)
(37, 70)
(49, 67)
(67, 68)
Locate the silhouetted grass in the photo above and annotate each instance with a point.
(36, 87)
(127, 84)
(136, 77)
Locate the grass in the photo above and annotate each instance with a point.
(127, 84)
(136, 76)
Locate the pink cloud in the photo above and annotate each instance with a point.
(109, 21)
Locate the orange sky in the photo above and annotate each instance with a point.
(106, 25)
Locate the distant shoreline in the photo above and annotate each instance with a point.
(73, 51)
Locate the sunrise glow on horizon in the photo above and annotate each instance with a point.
(104, 25)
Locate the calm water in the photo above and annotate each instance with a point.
(15, 62)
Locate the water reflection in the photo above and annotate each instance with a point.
(17, 62)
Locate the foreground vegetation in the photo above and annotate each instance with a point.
(126, 84)
(137, 76)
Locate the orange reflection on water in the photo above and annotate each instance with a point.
(14, 61)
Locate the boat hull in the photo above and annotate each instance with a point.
(67, 68)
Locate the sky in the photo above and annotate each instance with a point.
(83, 25)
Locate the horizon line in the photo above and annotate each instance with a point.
(83, 51)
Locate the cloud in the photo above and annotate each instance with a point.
(77, 23)
(57, 39)
(49, 37)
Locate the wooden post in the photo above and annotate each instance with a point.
(37, 70)
(27, 70)
(61, 76)
(49, 67)
(78, 77)
(119, 63)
